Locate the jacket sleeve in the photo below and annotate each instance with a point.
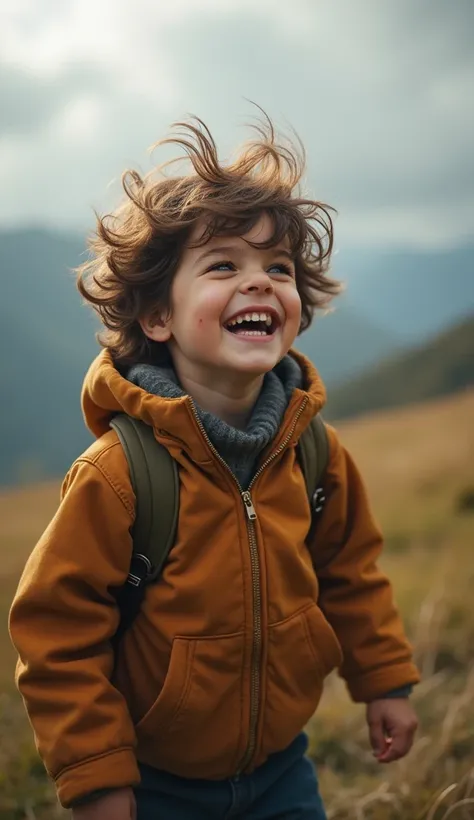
(355, 595)
(61, 622)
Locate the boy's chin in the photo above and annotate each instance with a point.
(254, 363)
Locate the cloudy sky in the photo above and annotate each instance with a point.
(380, 91)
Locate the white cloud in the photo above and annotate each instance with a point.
(380, 93)
(79, 122)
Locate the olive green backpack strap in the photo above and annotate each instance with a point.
(155, 482)
(314, 457)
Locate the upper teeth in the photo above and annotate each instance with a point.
(251, 317)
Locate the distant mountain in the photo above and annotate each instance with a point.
(342, 343)
(412, 293)
(443, 366)
(47, 341)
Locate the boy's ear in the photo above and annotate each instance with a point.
(157, 328)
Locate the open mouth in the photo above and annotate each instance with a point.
(253, 324)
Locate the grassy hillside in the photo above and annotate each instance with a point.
(418, 465)
(440, 367)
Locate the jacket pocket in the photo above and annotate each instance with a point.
(194, 727)
(322, 640)
(302, 650)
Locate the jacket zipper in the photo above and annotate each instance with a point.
(255, 570)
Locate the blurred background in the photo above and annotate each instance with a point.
(381, 95)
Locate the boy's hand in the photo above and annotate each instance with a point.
(392, 726)
(118, 805)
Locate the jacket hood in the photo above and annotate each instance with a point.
(107, 392)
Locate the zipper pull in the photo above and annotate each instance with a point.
(249, 508)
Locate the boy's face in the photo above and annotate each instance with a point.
(217, 288)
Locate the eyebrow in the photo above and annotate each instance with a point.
(231, 249)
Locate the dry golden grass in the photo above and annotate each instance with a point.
(418, 462)
(415, 461)
(23, 516)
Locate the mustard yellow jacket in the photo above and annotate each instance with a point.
(226, 661)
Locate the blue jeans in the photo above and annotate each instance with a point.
(284, 788)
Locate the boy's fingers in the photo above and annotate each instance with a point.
(391, 753)
(378, 740)
(400, 744)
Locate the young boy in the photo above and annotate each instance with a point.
(203, 283)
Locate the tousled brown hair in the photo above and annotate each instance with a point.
(137, 249)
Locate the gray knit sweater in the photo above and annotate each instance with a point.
(239, 448)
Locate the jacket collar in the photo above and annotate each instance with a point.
(175, 420)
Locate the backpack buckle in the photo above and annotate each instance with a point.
(140, 569)
(318, 500)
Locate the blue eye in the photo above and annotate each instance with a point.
(281, 268)
(222, 266)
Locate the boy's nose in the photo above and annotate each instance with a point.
(258, 282)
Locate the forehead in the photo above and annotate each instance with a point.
(260, 233)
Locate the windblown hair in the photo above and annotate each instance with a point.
(136, 250)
